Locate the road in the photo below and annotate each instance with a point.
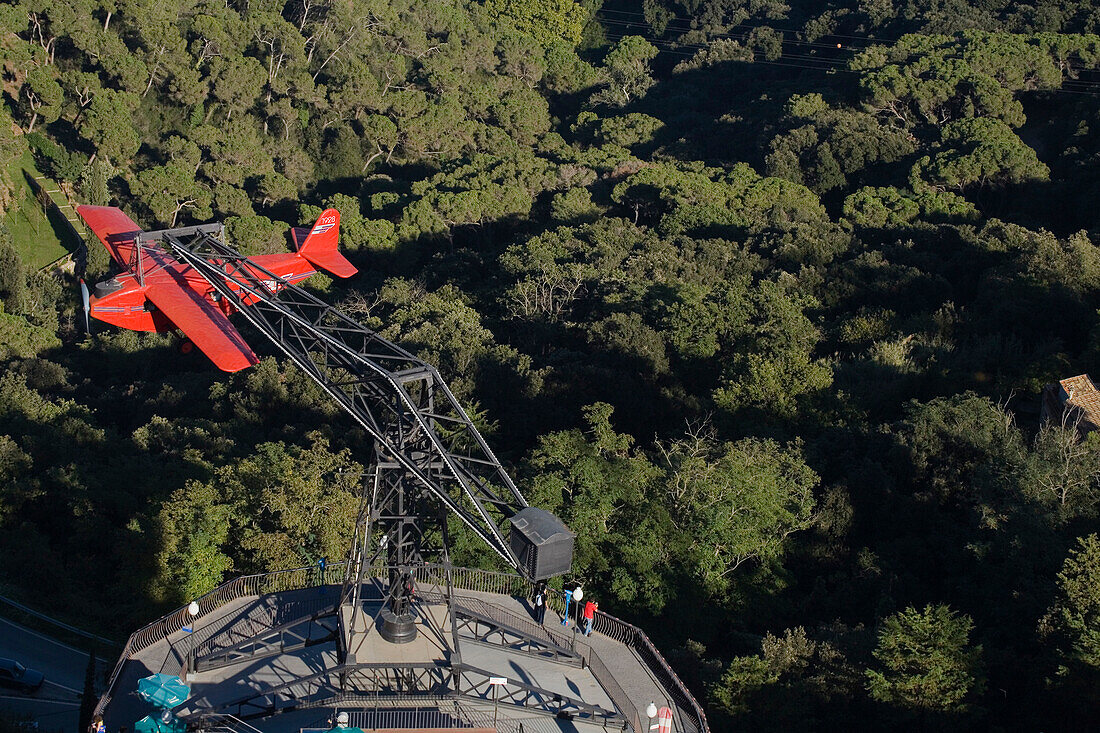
(56, 705)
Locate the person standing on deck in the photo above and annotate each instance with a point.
(589, 616)
(540, 603)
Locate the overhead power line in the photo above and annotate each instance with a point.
(805, 62)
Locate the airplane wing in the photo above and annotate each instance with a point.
(203, 323)
(117, 231)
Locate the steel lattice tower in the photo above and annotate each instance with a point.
(427, 449)
(278, 649)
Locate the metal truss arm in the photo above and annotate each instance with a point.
(396, 397)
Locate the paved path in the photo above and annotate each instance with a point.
(56, 705)
(63, 665)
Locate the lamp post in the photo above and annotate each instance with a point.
(192, 612)
(578, 596)
(651, 713)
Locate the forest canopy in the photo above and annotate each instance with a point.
(759, 297)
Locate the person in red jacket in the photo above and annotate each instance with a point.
(589, 616)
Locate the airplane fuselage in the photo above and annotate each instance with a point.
(156, 292)
(121, 300)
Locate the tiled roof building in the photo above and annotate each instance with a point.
(1076, 400)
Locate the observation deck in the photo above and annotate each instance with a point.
(277, 653)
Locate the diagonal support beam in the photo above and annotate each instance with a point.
(299, 633)
(378, 383)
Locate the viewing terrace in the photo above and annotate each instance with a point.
(263, 653)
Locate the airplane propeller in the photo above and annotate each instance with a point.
(87, 307)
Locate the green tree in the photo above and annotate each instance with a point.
(597, 483)
(565, 71)
(734, 503)
(13, 275)
(700, 201)
(237, 82)
(183, 151)
(380, 137)
(111, 54)
(787, 684)
(1073, 621)
(936, 79)
(108, 124)
(716, 52)
(926, 661)
(43, 95)
(234, 152)
(982, 152)
(954, 445)
(289, 506)
(574, 206)
(170, 189)
(774, 365)
(880, 207)
(93, 183)
(80, 89)
(552, 272)
(21, 338)
(193, 526)
(443, 328)
(480, 190)
(547, 21)
(699, 319)
(625, 74)
(255, 235)
(296, 504)
(765, 42)
(523, 114)
(627, 130)
(825, 147)
(232, 201)
(275, 187)
(1066, 470)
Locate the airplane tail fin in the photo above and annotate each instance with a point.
(318, 244)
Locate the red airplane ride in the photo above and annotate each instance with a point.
(159, 293)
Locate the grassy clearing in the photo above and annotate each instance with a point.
(39, 237)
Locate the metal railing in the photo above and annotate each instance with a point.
(233, 590)
(612, 687)
(483, 581)
(261, 620)
(693, 719)
(692, 716)
(449, 713)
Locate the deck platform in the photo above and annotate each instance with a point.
(274, 662)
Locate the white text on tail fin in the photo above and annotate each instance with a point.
(319, 245)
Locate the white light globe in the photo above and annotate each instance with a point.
(651, 710)
(578, 594)
(193, 608)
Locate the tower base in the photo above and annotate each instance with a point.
(397, 628)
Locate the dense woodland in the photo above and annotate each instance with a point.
(758, 297)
